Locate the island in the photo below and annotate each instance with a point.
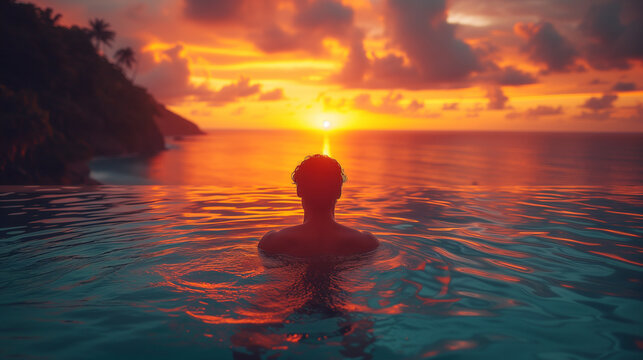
(62, 102)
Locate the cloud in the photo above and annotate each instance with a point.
(432, 55)
(624, 86)
(507, 76)
(543, 110)
(272, 95)
(600, 103)
(392, 104)
(544, 45)
(497, 99)
(230, 93)
(312, 22)
(274, 38)
(601, 107)
(536, 112)
(594, 116)
(450, 106)
(277, 25)
(167, 80)
(213, 10)
(324, 16)
(419, 28)
(615, 30)
(511, 76)
(226, 12)
(356, 64)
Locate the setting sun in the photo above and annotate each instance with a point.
(327, 120)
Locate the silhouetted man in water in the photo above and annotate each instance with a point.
(319, 180)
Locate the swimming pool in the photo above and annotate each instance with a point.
(173, 271)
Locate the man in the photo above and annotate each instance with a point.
(319, 180)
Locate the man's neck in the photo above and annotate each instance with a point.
(319, 216)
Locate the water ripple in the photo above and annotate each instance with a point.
(547, 271)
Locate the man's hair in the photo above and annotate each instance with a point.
(319, 171)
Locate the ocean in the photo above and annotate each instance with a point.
(492, 245)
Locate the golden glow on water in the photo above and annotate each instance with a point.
(326, 145)
(266, 158)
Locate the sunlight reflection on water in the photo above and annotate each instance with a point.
(174, 271)
(371, 158)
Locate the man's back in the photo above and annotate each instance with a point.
(310, 239)
(319, 180)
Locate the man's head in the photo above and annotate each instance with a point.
(319, 180)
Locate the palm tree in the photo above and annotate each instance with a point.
(100, 31)
(125, 56)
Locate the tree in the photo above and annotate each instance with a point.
(101, 33)
(126, 56)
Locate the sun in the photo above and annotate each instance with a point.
(327, 120)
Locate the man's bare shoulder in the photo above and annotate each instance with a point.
(368, 241)
(363, 240)
(278, 240)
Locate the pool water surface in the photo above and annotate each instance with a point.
(111, 272)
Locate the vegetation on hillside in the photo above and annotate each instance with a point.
(62, 102)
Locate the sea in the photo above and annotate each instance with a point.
(492, 245)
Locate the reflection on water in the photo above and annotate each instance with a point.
(141, 271)
(266, 158)
(326, 145)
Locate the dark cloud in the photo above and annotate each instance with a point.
(237, 12)
(497, 99)
(546, 46)
(326, 16)
(433, 56)
(274, 38)
(297, 25)
(450, 106)
(419, 28)
(213, 10)
(272, 95)
(594, 115)
(600, 103)
(624, 86)
(615, 30)
(391, 71)
(543, 110)
(536, 112)
(356, 65)
(510, 76)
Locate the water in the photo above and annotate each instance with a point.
(549, 271)
(266, 158)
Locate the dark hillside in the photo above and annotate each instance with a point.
(62, 103)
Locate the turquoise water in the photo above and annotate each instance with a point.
(528, 272)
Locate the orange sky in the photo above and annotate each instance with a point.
(385, 64)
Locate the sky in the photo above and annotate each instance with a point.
(529, 65)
